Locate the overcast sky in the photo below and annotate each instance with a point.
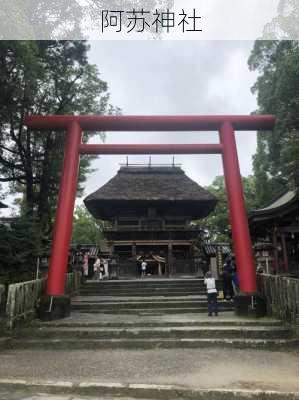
(176, 77)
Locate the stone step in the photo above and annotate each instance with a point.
(140, 288)
(145, 303)
(105, 284)
(252, 332)
(153, 299)
(150, 281)
(103, 287)
(151, 343)
(147, 311)
(142, 293)
(158, 306)
(77, 321)
(140, 284)
(39, 389)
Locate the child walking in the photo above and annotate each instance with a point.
(210, 283)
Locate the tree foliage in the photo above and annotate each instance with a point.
(217, 224)
(276, 162)
(285, 25)
(86, 229)
(43, 77)
(20, 246)
(44, 19)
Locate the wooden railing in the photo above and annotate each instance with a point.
(23, 297)
(282, 296)
(73, 282)
(2, 299)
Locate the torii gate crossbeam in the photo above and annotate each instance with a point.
(224, 124)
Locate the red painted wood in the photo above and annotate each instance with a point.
(64, 214)
(238, 216)
(150, 149)
(152, 122)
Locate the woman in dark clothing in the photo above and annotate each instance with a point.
(228, 290)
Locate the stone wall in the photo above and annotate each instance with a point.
(23, 297)
(282, 296)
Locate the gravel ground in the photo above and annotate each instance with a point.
(202, 368)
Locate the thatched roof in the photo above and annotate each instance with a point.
(134, 189)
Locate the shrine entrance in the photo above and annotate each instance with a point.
(156, 265)
(75, 125)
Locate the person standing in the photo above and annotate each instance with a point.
(210, 283)
(96, 268)
(85, 267)
(235, 278)
(228, 291)
(143, 268)
(113, 270)
(101, 269)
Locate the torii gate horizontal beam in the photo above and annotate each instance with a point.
(152, 122)
(150, 149)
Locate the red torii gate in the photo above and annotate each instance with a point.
(74, 125)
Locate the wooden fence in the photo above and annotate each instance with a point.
(282, 296)
(23, 297)
(73, 282)
(2, 298)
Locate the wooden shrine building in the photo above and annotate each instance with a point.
(148, 212)
(275, 233)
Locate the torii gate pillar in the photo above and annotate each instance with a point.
(238, 216)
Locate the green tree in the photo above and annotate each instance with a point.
(20, 246)
(217, 223)
(86, 229)
(44, 19)
(276, 161)
(285, 25)
(43, 77)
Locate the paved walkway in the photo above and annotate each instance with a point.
(199, 368)
(21, 395)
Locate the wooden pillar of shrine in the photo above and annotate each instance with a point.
(275, 250)
(284, 252)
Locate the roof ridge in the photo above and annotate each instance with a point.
(151, 169)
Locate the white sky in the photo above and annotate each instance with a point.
(175, 77)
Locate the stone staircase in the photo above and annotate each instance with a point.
(149, 313)
(150, 339)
